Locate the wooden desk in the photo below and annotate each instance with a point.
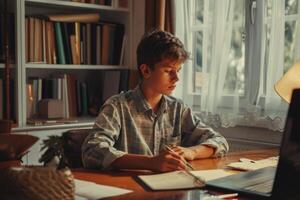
(127, 179)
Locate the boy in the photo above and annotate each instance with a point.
(133, 128)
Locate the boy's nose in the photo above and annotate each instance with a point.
(175, 77)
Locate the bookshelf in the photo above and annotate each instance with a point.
(23, 72)
(29, 70)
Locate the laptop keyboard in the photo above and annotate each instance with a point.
(264, 187)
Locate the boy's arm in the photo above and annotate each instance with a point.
(98, 150)
(165, 161)
(199, 140)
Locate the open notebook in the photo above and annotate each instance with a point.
(180, 179)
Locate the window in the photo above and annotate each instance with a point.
(239, 49)
(235, 73)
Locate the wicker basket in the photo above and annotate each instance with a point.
(36, 183)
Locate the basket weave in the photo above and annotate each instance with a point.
(36, 183)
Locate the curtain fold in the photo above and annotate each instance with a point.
(221, 31)
(159, 15)
(297, 43)
(275, 64)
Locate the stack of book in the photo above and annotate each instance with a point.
(73, 39)
(79, 97)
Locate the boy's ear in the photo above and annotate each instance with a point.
(145, 70)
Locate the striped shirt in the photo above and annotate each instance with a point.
(127, 124)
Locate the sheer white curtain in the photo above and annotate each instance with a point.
(274, 61)
(297, 43)
(263, 64)
(216, 49)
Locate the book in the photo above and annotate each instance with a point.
(105, 44)
(86, 17)
(118, 45)
(66, 43)
(29, 99)
(166, 181)
(59, 44)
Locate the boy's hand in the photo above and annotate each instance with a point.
(167, 161)
(186, 153)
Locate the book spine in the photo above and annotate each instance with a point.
(86, 18)
(59, 44)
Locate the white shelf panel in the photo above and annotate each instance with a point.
(2, 66)
(53, 127)
(71, 66)
(57, 3)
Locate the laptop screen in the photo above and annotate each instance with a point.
(286, 184)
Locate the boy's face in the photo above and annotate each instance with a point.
(163, 78)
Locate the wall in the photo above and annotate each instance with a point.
(248, 138)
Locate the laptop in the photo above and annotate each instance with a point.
(281, 182)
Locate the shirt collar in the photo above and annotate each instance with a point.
(144, 106)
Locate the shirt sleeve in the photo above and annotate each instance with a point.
(196, 132)
(98, 148)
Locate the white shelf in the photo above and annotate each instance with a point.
(60, 4)
(53, 127)
(82, 122)
(2, 66)
(71, 66)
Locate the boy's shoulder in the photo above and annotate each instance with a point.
(121, 97)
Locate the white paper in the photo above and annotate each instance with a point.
(179, 179)
(91, 190)
(254, 165)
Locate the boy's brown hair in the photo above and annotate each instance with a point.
(157, 45)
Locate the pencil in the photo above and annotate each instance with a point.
(185, 162)
(200, 182)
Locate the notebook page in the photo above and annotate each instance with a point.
(179, 179)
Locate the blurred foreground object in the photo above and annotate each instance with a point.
(13, 147)
(290, 81)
